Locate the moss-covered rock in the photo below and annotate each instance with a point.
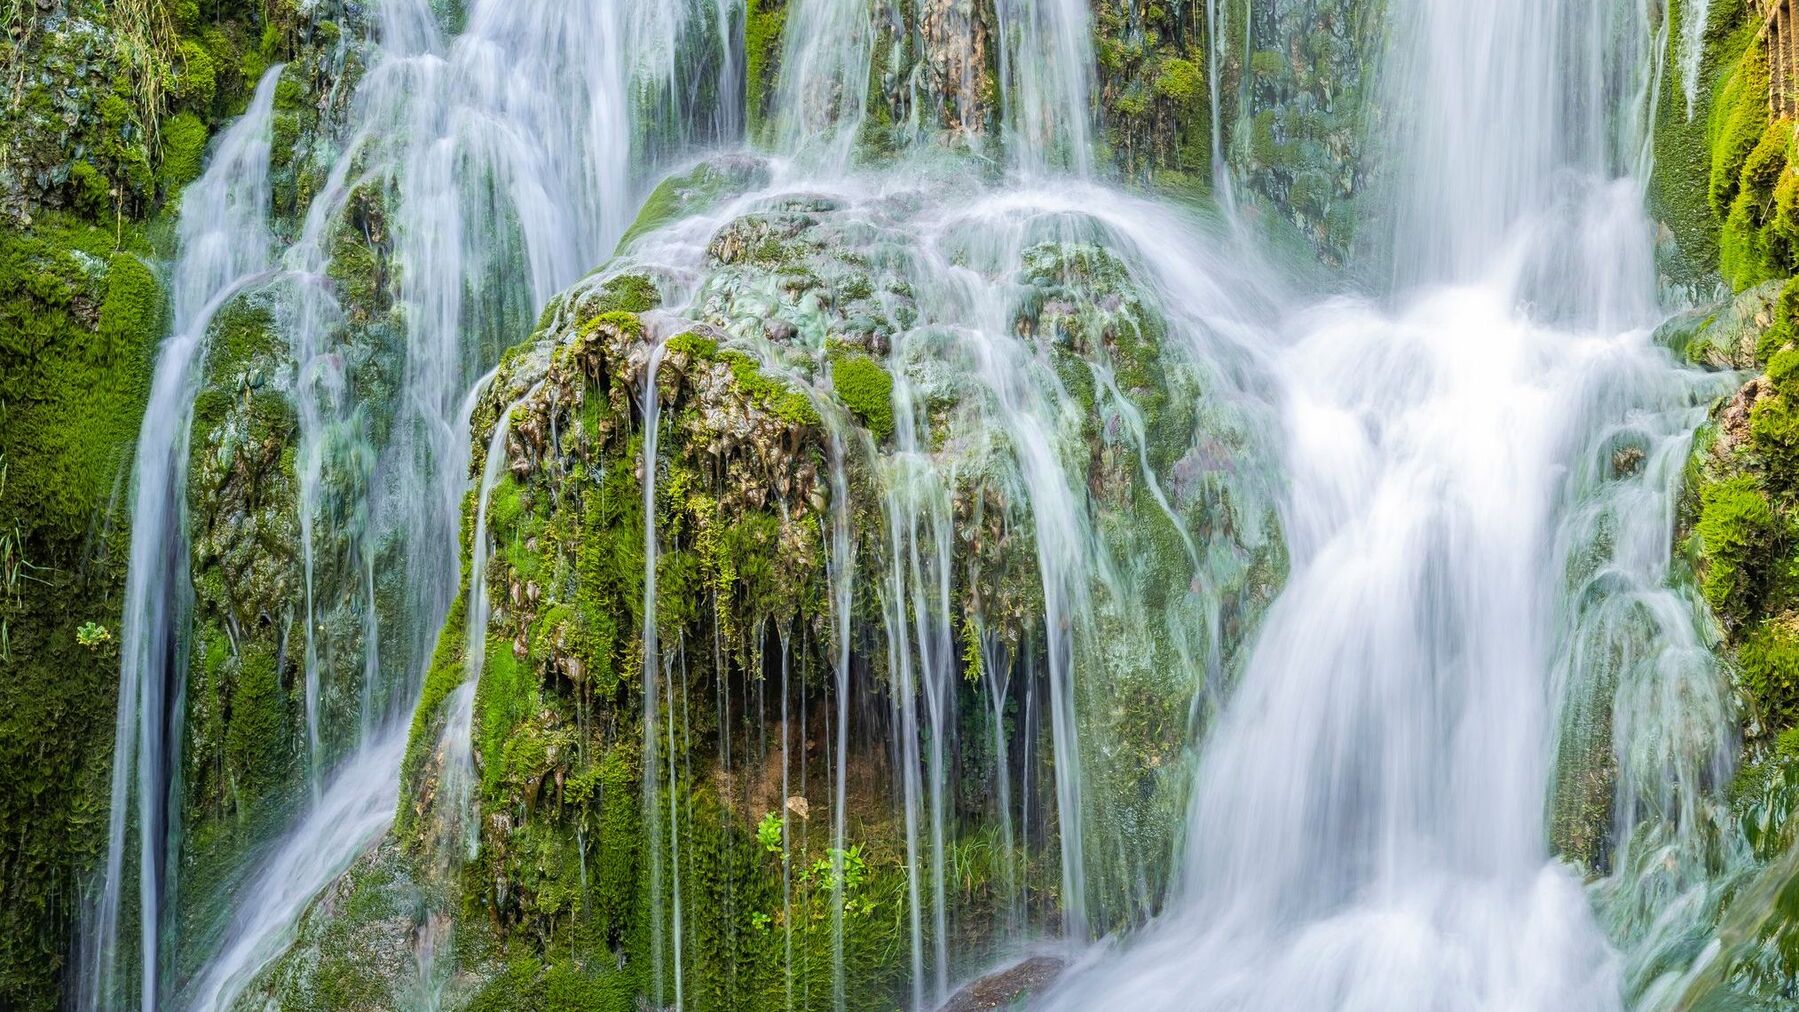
(81, 315)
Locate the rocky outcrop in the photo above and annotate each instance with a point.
(794, 391)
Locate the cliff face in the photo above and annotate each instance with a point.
(109, 110)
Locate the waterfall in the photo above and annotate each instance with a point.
(1130, 419)
(224, 248)
(354, 809)
(508, 157)
(821, 98)
(650, 407)
(1693, 17)
(1368, 826)
(1046, 73)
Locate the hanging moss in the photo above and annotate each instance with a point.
(183, 145)
(1768, 665)
(762, 40)
(1739, 538)
(1739, 118)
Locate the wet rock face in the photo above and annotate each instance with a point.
(1009, 987)
(1309, 84)
(955, 64)
(1724, 335)
(1154, 90)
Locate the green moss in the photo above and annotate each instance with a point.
(1739, 117)
(762, 33)
(568, 988)
(866, 388)
(769, 393)
(694, 346)
(1766, 161)
(79, 317)
(627, 293)
(513, 750)
(131, 316)
(1774, 435)
(1738, 534)
(183, 147)
(1749, 188)
(197, 82)
(617, 319)
(256, 744)
(1783, 371)
(1768, 665)
(1180, 80)
(92, 190)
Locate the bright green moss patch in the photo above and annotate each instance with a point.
(1180, 80)
(866, 388)
(1768, 662)
(1774, 434)
(1739, 116)
(183, 148)
(628, 293)
(1783, 371)
(72, 380)
(197, 80)
(694, 346)
(762, 33)
(1738, 533)
(769, 393)
(626, 322)
(132, 314)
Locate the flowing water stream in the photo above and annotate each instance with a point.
(224, 247)
(1467, 471)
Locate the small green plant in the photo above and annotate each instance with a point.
(93, 635)
(822, 874)
(769, 832)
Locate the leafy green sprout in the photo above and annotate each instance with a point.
(93, 635)
(768, 831)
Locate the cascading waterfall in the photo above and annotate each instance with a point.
(354, 809)
(822, 95)
(1046, 71)
(224, 248)
(1367, 831)
(1490, 443)
(1021, 423)
(500, 199)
